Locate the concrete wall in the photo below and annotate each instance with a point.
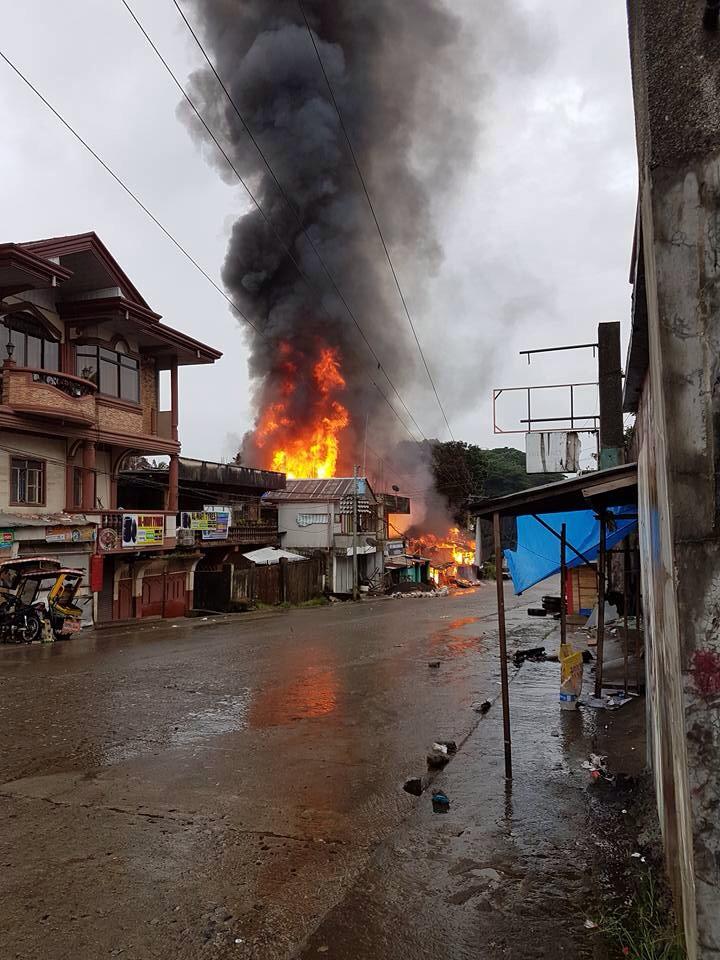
(316, 536)
(42, 448)
(676, 80)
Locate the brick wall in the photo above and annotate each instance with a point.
(148, 393)
(20, 390)
(119, 419)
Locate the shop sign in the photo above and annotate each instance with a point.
(143, 530)
(201, 521)
(394, 548)
(6, 539)
(218, 523)
(83, 534)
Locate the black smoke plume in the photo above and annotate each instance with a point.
(404, 78)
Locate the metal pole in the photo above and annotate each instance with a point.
(478, 543)
(563, 588)
(504, 688)
(626, 578)
(355, 591)
(601, 609)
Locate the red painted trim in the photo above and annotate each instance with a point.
(78, 312)
(78, 243)
(18, 255)
(142, 443)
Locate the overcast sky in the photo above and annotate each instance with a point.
(537, 236)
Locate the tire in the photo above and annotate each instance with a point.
(33, 628)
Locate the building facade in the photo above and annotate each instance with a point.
(316, 517)
(81, 357)
(222, 515)
(673, 387)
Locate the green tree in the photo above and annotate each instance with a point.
(464, 470)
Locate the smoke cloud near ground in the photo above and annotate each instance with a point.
(409, 86)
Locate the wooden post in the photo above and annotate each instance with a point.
(563, 586)
(601, 609)
(173, 481)
(355, 590)
(626, 598)
(504, 687)
(638, 603)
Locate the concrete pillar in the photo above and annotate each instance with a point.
(172, 494)
(174, 399)
(612, 439)
(88, 485)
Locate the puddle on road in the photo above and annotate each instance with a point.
(312, 695)
(228, 715)
(453, 641)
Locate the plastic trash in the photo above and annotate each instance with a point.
(440, 802)
(571, 676)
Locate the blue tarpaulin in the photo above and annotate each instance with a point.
(538, 550)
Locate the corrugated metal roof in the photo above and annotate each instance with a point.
(310, 491)
(42, 519)
(271, 555)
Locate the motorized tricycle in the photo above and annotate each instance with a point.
(41, 606)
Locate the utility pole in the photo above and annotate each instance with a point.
(355, 590)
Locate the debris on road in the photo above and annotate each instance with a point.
(440, 802)
(483, 707)
(437, 757)
(597, 766)
(414, 786)
(434, 664)
(536, 654)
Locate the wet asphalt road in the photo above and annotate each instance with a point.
(212, 789)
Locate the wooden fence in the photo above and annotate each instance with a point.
(284, 582)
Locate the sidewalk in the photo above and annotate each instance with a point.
(510, 871)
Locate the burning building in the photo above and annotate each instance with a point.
(451, 557)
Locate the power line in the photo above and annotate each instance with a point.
(127, 190)
(374, 215)
(311, 286)
(157, 222)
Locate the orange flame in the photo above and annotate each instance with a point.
(454, 547)
(307, 449)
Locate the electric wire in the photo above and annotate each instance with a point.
(311, 286)
(374, 214)
(127, 190)
(159, 224)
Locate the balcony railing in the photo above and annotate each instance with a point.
(250, 533)
(47, 393)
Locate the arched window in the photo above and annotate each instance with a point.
(115, 373)
(31, 345)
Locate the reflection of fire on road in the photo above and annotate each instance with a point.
(450, 557)
(311, 695)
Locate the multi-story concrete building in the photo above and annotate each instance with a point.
(81, 355)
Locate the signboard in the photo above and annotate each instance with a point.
(83, 534)
(394, 548)
(559, 451)
(143, 530)
(200, 521)
(6, 539)
(396, 504)
(218, 523)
